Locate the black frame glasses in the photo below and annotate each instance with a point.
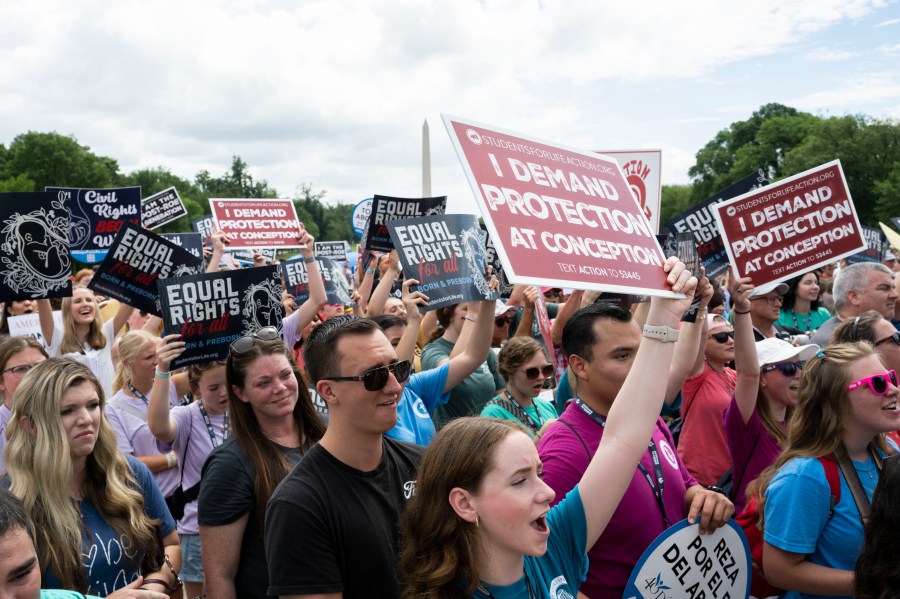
(722, 337)
(878, 383)
(788, 369)
(895, 337)
(534, 372)
(376, 378)
(244, 344)
(770, 299)
(18, 371)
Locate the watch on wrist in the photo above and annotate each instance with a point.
(715, 489)
(661, 333)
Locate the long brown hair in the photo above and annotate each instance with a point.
(439, 550)
(772, 426)
(95, 337)
(269, 463)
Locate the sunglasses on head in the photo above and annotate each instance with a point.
(722, 337)
(376, 378)
(895, 337)
(788, 369)
(545, 371)
(244, 344)
(878, 383)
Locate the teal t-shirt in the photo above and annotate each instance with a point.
(564, 567)
(540, 411)
(58, 594)
(803, 322)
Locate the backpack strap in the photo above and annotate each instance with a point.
(852, 478)
(577, 436)
(834, 481)
(125, 407)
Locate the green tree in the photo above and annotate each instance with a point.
(54, 159)
(236, 183)
(154, 180)
(18, 183)
(674, 200)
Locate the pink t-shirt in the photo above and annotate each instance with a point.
(702, 444)
(752, 448)
(637, 520)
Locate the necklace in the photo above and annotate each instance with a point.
(489, 595)
(870, 470)
(807, 327)
(729, 386)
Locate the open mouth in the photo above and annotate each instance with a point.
(540, 524)
(388, 404)
(891, 407)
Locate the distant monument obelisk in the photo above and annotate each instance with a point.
(426, 161)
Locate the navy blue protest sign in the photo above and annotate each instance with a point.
(34, 247)
(95, 216)
(699, 220)
(296, 280)
(211, 310)
(683, 563)
(336, 250)
(136, 259)
(493, 259)
(445, 253)
(162, 208)
(377, 238)
(877, 243)
(192, 242)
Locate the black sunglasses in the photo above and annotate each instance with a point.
(722, 337)
(895, 337)
(545, 371)
(502, 320)
(376, 378)
(788, 369)
(244, 344)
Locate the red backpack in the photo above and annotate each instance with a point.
(749, 519)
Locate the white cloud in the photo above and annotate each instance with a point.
(829, 55)
(888, 22)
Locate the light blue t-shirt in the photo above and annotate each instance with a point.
(796, 515)
(109, 562)
(564, 567)
(421, 395)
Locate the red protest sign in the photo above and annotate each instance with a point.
(777, 232)
(558, 216)
(253, 224)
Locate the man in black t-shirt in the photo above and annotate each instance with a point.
(331, 525)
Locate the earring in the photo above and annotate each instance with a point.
(476, 521)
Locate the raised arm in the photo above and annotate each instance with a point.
(690, 340)
(406, 349)
(568, 309)
(635, 410)
(317, 296)
(383, 290)
(218, 241)
(158, 418)
(368, 279)
(746, 363)
(526, 319)
(476, 348)
(45, 316)
(122, 315)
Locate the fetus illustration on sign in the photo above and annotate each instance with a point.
(473, 251)
(35, 248)
(79, 223)
(262, 305)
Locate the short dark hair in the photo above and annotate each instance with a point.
(320, 350)
(12, 514)
(387, 321)
(578, 336)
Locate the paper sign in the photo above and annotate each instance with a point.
(34, 247)
(95, 216)
(558, 216)
(493, 259)
(893, 237)
(136, 259)
(336, 250)
(255, 224)
(162, 208)
(385, 209)
(29, 325)
(700, 221)
(446, 255)
(791, 227)
(192, 242)
(877, 244)
(683, 563)
(642, 170)
(296, 281)
(205, 227)
(360, 216)
(211, 310)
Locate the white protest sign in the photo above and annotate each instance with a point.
(642, 170)
(29, 325)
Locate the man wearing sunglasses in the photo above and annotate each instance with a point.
(765, 309)
(331, 526)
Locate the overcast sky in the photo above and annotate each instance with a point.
(335, 93)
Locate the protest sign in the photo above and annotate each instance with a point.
(493, 260)
(642, 170)
(34, 247)
(336, 250)
(790, 227)
(205, 227)
(191, 242)
(896, 222)
(29, 325)
(360, 216)
(877, 244)
(257, 223)
(95, 216)
(385, 209)
(211, 310)
(699, 220)
(136, 259)
(683, 563)
(893, 238)
(446, 255)
(162, 208)
(558, 216)
(296, 280)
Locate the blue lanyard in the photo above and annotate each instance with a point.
(209, 428)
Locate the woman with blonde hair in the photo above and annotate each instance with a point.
(847, 401)
(99, 518)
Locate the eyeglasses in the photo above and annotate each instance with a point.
(722, 337)
(245, 343)
(545, 371)
(878, 383)
(895, 337)
(502, 321)
(376, 378)
(19, 371)
(770, 299)
(788, 369)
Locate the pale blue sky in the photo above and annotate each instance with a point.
(335, 93)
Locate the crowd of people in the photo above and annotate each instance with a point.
(377, 450)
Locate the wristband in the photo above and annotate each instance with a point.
(739, 312)
(469, 318)
(163, 375)
(370, 271)
(715, 489)
(309, 259)
(661, 333)
(171, 459)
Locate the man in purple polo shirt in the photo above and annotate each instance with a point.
(600, 341)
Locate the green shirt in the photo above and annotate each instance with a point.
(540, 411)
